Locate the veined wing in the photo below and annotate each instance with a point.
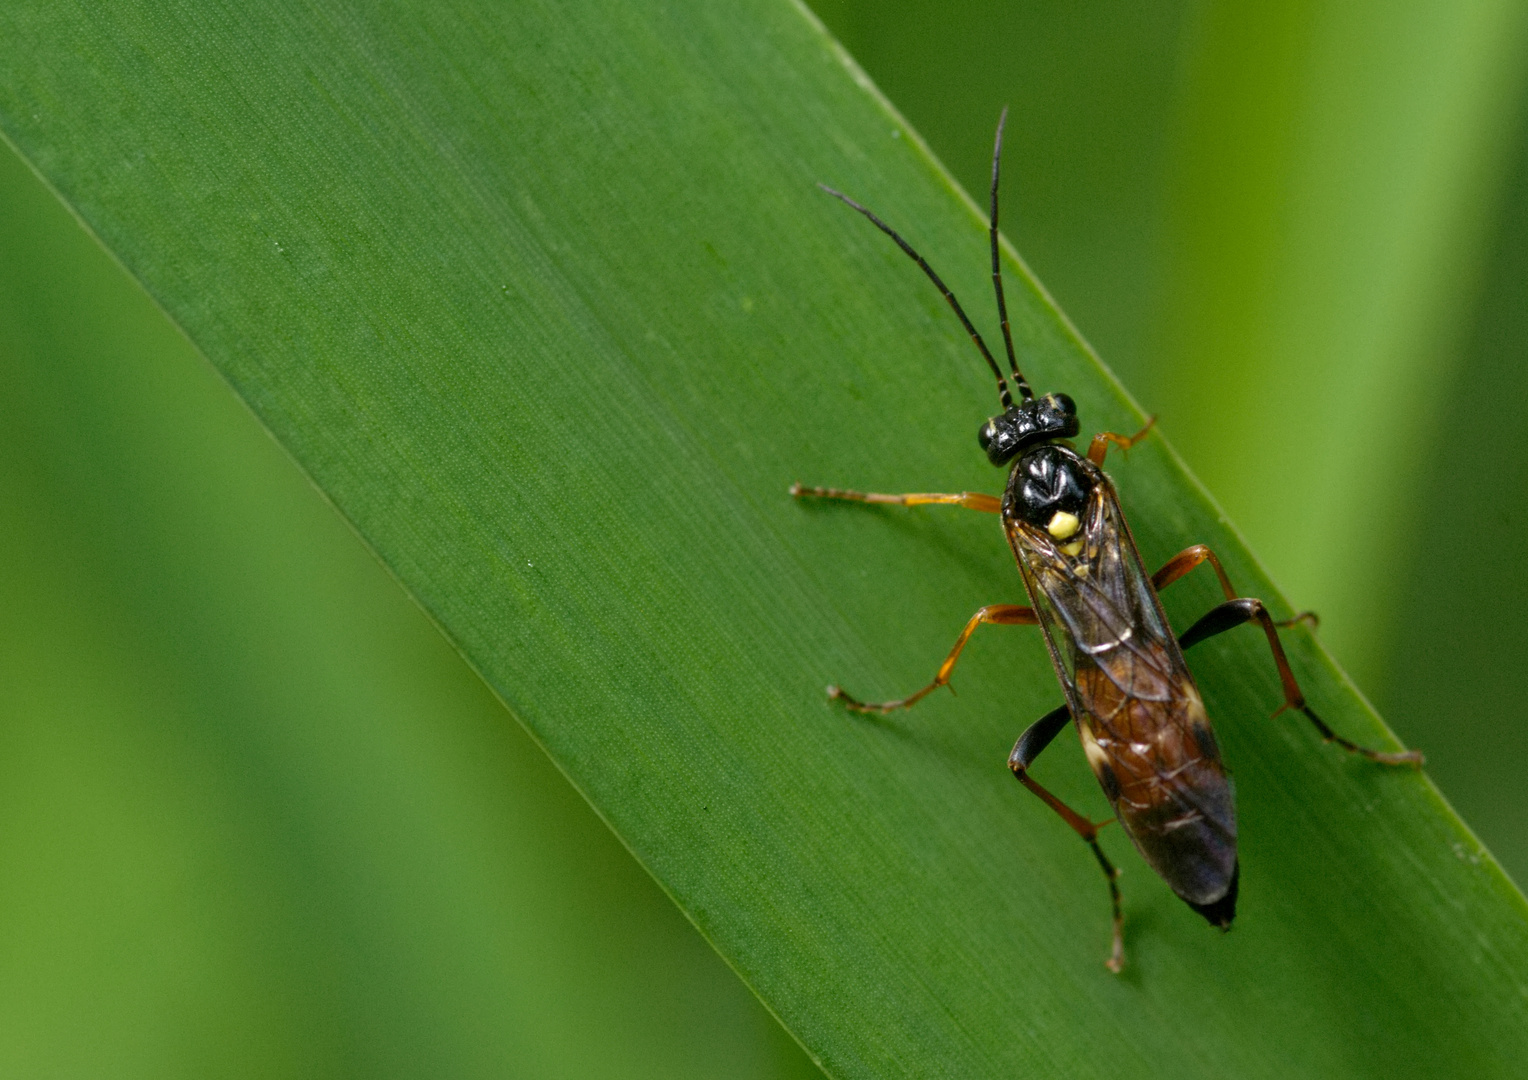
(1140, 716)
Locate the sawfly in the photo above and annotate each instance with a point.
(1128, 690)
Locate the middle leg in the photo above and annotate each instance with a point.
(1237, 610)
(1180, 564)
(998, 614)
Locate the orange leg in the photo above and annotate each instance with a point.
(1100, 444)
(998, 614)
(1180, 564)
(1237, 610)
(987, 504)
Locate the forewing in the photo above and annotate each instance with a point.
(1141, 718)
(1097, 606)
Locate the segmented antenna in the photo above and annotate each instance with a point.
(1002, 383)
(997, 273)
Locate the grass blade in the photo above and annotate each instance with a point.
(547, 304)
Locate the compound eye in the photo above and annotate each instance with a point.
(987, 433)
(1068, 406)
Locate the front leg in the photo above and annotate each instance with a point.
(987, 504)
(1100, 444)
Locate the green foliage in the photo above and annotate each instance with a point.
(547, 305)
(256, 818)
(1452, 677)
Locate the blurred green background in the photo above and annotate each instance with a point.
(257, 819)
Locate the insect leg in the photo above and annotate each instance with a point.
(1000, 614)
(987, 504)
(1035, 739)
(1235, 612)
(1180, 564)
(1100, 444)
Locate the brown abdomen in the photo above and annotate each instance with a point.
(1160, 767)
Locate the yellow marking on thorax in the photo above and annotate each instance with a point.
(1063, 526)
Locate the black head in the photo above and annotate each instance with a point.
(1028, 424)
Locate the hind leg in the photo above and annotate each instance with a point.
(1035, 739)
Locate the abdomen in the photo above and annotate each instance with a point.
(1158, 763)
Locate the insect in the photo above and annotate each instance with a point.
(1128, 690)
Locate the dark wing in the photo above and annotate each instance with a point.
(1141, 718)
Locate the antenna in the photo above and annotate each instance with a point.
(997, 273)
(1002, 383)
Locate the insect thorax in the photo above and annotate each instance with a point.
(1048, 488)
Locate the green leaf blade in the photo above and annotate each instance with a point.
(547, 304)
(259, 819)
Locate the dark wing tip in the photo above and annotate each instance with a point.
(1221, 912)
